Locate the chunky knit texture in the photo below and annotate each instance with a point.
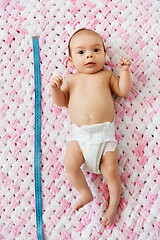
(129, 28)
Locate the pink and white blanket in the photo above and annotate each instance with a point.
(129, 28)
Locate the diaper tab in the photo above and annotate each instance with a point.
(109, 133)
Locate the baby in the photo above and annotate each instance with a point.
(88, 96)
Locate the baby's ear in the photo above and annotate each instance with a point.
(70, 59)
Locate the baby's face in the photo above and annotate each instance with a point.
(87, 52)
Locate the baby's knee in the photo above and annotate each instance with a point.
(113, 170)
(110, 168)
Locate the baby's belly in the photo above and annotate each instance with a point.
(91, 112)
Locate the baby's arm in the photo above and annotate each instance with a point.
(121, 87)
(59, 91)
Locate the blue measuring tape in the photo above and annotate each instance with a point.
(37, 145)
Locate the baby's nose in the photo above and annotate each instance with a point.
(89, 56)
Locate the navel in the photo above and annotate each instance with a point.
(87, 117)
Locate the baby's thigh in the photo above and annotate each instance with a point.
(74, 156)
(110, 159)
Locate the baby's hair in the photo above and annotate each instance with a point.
(82, 29)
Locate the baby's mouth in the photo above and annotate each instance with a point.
(90, 64)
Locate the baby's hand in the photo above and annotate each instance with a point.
(124, 64)
(56, 82)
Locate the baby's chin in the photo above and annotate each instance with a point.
(90, 70)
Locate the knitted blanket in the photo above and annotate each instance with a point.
(129, 28)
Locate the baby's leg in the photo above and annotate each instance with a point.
(73, 161)
(110, 171)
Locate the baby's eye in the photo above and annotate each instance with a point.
(96, 50)
(80, 52)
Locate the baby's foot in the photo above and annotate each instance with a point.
(85, 198)
(110, 215)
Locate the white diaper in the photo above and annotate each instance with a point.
(94, 140)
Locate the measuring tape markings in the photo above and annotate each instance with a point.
(37, 149)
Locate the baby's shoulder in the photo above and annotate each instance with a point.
(71, 77)
(107, 72)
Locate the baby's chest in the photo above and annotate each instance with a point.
(90, 85)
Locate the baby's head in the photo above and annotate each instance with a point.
(86, 51)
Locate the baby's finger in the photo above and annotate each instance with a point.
(56, 78)
(121, 60)
(53, 84)
(58, 83)
(128, 62)
(60, 79)
(121, 63)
